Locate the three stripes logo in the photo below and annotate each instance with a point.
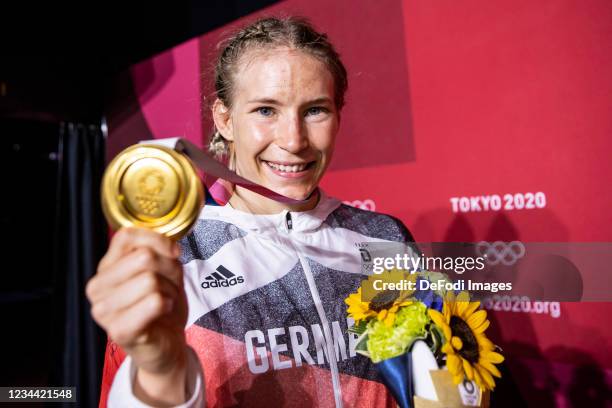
(222, 278)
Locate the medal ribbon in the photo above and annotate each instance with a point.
(212, 167)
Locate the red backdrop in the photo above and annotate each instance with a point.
(450, 100)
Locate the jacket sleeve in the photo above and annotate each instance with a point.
(113, 358)
(120, 393)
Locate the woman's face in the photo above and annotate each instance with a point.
(283, 120)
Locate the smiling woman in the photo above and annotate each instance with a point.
(280, 88)
(252, 311)
(281, 126)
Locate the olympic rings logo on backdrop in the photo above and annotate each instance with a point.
(366, 204)
(506, 253)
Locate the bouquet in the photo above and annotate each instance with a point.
(429, 346)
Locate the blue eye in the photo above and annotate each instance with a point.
(315, 110)
(265, 111)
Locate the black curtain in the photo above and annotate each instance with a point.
(81, 243)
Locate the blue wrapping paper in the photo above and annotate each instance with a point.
(396, 374)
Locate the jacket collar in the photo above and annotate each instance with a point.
(302, 221)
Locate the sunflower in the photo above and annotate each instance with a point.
(469, 353)
(383, 304)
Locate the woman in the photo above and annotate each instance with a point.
(264, 281)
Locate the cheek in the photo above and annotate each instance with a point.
(323, 139)
(252, 139)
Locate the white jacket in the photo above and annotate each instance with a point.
(266, 309)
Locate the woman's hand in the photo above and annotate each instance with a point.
(137, 296)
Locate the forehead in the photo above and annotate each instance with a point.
(285, 74)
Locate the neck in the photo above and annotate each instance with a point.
(251, 202)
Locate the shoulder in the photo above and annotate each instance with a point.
(206, 237)
(369, 223)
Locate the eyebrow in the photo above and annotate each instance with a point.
(265, 100)
(272, 101)
(323, 99)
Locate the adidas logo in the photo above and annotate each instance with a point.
(222, 278)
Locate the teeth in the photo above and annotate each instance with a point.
(287, 169)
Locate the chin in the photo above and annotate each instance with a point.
(297, 193)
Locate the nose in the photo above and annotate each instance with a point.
(292, 135)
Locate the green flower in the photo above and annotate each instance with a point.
(387, 342)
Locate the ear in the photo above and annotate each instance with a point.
(223, 120)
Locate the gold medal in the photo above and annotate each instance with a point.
(154, 187)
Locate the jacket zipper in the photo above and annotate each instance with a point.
(327, 335)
